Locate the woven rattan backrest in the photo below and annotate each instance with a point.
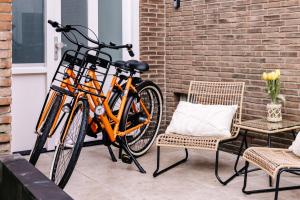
(218, 93)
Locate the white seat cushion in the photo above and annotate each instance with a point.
(202, 120)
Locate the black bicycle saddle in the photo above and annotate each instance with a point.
(137, 65)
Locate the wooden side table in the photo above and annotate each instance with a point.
(263, 127)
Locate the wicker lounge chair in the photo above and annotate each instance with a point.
(274, 162)
(209, 93)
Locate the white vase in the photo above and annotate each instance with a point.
(274, 112)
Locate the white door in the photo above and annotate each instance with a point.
(34, 59)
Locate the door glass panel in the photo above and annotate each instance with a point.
(74, 12)
(110, 24)
(28, 31)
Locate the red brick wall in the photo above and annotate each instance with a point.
(221, 40)
(152, 41)
(5, 74)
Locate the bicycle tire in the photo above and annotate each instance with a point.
(150, 131)
(45, 129)
(81, 127)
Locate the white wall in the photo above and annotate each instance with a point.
(28, 92)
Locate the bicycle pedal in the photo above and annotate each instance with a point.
(126, 159)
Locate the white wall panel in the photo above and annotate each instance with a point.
(28, 93)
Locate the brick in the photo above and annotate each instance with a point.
(5, 73)
(5, 63)
(288, 54)
(5, 148)
(5, 8)
(4, 109)
(5, 101)
(5, 54)
(5, 45)
(271, 17)
(5, 119)
(5, 82)
(4, 128)
(5, 17)
(5, 26)
(5, 91)
(4, 138)
(5, 35)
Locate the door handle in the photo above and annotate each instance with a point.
(57, 47)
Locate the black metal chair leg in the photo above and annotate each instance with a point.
(269, 145)
(276, 189)
(277, 185)
(245, 177)
(157, 172)
(270, 181)
(111, 153)
(157, 162)
(217, 171)
(244, 143)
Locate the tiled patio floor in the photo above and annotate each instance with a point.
(96, 177)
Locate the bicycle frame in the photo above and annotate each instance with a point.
(107, 119)
(101, 100)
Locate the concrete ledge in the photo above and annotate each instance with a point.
(21, 180)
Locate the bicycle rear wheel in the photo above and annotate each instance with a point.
(45, 128)
(67, 152)
(140, 140)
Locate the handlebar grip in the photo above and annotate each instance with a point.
(59, 29)
(66, 29)
(129, 49)
(130, 52)
(54, 24)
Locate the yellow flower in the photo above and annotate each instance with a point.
(277, 72)
(265, 76)
(273, 76)
(269, 76)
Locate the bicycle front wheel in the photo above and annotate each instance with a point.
(68, 150)
(45, 128)
(149, 96)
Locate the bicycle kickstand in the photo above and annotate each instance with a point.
(125, 148)
(111, 153)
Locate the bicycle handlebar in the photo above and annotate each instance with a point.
(127, 46)
(67, 28)
(54, 24)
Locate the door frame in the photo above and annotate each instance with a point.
(130, 27)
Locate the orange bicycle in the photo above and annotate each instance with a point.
(128, 116)
(69, 69)
(133, 115)
(60, 96)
